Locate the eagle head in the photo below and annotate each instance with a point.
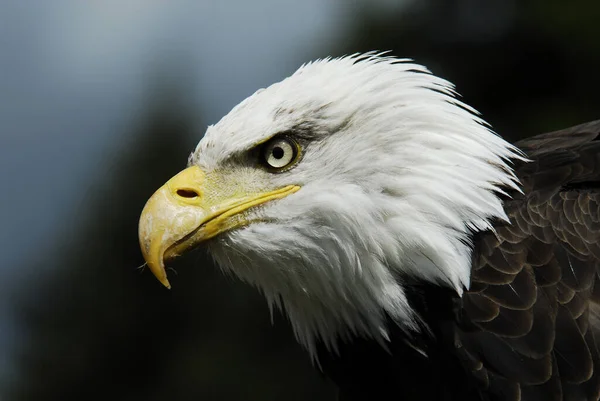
(332, 189)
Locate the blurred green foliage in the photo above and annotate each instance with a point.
(97, 327)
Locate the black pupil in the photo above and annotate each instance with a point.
(278, 152)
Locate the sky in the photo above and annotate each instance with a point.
(72, 75)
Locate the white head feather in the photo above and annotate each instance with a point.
(396, 175)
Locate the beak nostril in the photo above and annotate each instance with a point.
(188, 193)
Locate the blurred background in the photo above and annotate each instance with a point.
(102, 101)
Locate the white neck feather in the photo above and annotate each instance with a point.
(399, 176)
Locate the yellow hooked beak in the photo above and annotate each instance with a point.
(190, 209)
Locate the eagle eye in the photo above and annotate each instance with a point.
(279, 153)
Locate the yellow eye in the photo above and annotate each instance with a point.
(280, 153)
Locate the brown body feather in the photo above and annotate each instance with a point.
(535, 283)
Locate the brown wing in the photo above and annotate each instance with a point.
(532, 333)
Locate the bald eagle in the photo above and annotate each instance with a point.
(415, 252)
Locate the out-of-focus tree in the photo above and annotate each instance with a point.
(528, 66)
(98, 327)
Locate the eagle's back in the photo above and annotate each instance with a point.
(529, 329)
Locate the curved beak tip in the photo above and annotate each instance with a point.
(155, 262)
(165, 282)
